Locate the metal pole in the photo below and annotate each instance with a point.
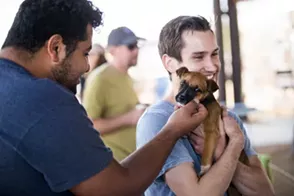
(219, 37)
(235, 47)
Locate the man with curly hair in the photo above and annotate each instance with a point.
(48, 145)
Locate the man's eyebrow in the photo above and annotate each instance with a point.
(200, 52)
(215, 50)
(205, 52)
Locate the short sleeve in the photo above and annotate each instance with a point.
(148, 127)
(94, 96)
(248, 148)
(64, 147)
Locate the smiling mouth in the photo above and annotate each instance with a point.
(210, 77)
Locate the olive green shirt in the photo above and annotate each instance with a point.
(110, 93)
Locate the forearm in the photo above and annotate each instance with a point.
(252, 181)
(146, 162)
(108, 125)
(217, 180)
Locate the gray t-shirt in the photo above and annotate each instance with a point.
(151, 123)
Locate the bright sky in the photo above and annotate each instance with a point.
(145, 19)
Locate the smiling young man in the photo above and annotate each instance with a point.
(48, 145)
(189, 41)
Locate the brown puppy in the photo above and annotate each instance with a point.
(194, 85)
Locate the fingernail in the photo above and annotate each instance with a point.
(196, 101)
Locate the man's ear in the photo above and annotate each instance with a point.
(170, 63)
(181, 71)
(56, 48)
(212, 86)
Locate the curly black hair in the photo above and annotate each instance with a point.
(37, 20)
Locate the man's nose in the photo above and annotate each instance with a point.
(88, 66)
(211, 65)
(136, 50)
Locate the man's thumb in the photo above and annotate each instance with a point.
(191, 106)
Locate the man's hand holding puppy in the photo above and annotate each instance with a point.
(243, 175)
(227, 125)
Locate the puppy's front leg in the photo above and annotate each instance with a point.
(211, 137)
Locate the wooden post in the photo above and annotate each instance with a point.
(235, 48)
(219, 36)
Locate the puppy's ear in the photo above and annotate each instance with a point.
(182, 71)
(212, 86)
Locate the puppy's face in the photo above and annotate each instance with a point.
(193, 85)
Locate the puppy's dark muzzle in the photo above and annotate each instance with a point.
(186, 94)
(183, 98)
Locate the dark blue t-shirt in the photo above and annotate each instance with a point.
(47, 143)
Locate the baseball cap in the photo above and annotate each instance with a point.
(122, 36)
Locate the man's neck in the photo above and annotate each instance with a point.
(170, 98)
(121, 68)
(174, 88)
(15, 55)
(24, 59)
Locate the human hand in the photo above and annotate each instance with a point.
(233, 130)
(186, 118)
(134, 115)
(197, 138)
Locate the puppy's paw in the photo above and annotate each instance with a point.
(204, 169)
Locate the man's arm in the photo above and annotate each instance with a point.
(183, 180)
(134, 174)
(137, 172)
(249, 180)
(252, 180)
(95, 102)
(107, 125)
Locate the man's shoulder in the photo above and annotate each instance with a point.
(153, 119)
(162, 107)
(100, 73)
(36, 96)
(25, 100)
(157, 113)
(20, 87)
(49, 93)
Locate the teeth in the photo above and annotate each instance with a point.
(209, 77)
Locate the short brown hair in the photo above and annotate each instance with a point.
(170, 38)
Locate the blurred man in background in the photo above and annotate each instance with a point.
(109, 97)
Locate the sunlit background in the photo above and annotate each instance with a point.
(266, 30)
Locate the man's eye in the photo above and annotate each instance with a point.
(87, 54)
(215, 54)
(198, 57)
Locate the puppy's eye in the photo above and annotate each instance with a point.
(198, 90)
